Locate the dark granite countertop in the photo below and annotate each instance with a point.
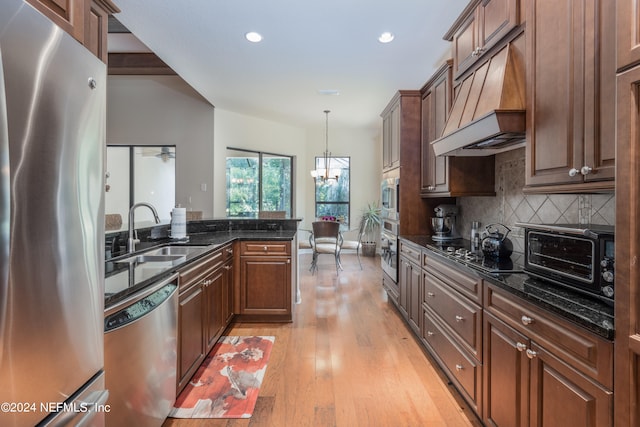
(589, 313)
(122, 280)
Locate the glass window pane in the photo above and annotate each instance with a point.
(154, 180)
(243, 184)
(333, 196)
(276, 184)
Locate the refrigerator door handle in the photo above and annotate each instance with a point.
(5, 201)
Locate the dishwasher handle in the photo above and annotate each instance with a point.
(141, 304)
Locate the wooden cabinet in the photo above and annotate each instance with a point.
(628, 36)
(204, 309)
(452, 325)
(569, 372)
(448, 176)
(85, 20)
(410, 283)
(627, 298)
(391, 138)
(190, 332)
(265, 281)
(479, 27)
(570, 96)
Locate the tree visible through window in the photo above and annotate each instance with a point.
(333, 196)
(257, 182)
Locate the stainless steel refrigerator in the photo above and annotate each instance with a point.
(52, 127)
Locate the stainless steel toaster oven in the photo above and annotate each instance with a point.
(577, 256)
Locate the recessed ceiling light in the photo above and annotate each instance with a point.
(253, 37)
(386, 37)
(328, 92)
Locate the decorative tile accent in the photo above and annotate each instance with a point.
(511, 205)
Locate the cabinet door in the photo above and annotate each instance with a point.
(265, 286)
(465, 41)
(570, 112)
(394, 135)
(213, 313)
(404, 279)
(67, 14)
(506, 375)
(628, 38)
(495, 19)
(414, 308)
(562, 397)
(190, 342)
(227, 293)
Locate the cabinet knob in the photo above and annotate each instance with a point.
(227, 267)
(431, 188)
(265, 248)
(531, 354)
(459, 367)
(585, 170)
(430, 294)
(429, 333)
(288, 261)
(521, 347)
(459, 318)
(573, 172)
(526, 320)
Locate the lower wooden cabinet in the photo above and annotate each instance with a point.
(204, 309)
(190, 332)
(515, 364)
(265, 281)
(542, 371)
(410, 285)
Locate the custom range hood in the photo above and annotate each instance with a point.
(488, 114)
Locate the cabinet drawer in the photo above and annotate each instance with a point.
(464, 369)
(461, 315)
(265, 248)
(470, 286)
(196, 271)
(411, 252)
(586, 352)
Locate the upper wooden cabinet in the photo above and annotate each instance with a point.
(480, 26)
(398, 126)
(85, 20)
(628, 30)
(570, 96)
(448, 176)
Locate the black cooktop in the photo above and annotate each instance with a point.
(460, 250)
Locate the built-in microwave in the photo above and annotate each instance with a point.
(578, 256)
(390, 193)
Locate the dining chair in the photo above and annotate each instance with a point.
(351, 245)
(325, 239)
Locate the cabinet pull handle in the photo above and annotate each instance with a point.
(429, 333)
(526, 320)
(531, 354)
(227, 267)
(459, 367)
(459, 318)
(431, 188)
(521, 347)
(585, 170)
(265, 248)
(573, 172)
(430, 294)
(288, 261)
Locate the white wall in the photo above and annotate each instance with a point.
(164, 110)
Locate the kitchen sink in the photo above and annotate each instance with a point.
(142, 258)
(170, 253)
(179, 250)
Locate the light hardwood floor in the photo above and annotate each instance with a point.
(347, 360)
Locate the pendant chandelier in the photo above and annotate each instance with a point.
(324, 173)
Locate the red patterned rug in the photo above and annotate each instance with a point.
(228, 382)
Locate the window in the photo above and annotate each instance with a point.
(258, 182)
(333, 196)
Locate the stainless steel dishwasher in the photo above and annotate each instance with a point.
(140, 345)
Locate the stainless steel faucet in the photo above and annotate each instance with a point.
(131, 242)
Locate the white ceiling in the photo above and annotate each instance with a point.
(307, 46)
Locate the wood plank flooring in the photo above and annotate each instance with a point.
(348, 359)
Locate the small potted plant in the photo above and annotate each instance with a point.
(369, 228)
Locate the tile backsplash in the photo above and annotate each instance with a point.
(511, 205)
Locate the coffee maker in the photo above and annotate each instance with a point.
(444, 223)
